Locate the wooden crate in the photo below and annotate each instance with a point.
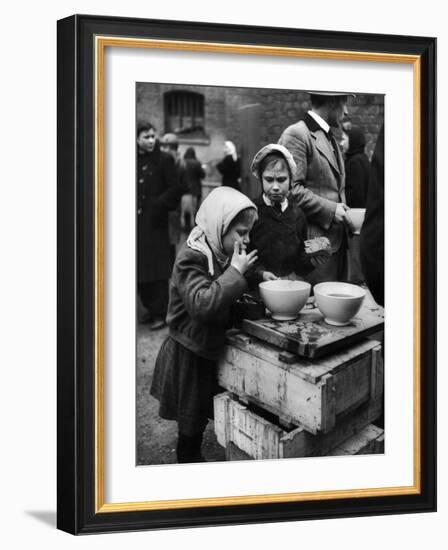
(245, 434)
(238, 428)
(315, 395)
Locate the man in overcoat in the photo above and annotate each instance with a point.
(158, 192)
(319, 184)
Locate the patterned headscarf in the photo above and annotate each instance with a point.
(213, 219)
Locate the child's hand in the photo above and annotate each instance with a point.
(241, 260)
(268, 276)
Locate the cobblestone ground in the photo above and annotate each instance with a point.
(156, 438)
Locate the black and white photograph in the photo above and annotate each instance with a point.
(260, 273)
(246, 252)
(228, 219)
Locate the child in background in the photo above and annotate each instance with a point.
(280, 233)
(208, 277)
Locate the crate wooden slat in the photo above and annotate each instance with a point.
(309, 394)
(245, 434)
(302, 443)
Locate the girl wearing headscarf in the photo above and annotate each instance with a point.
(280, 232)
(357, 169)
(229, 167)
(208, 277)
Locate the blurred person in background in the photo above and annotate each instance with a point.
(372, 232)
(169, 144)
(194, 174)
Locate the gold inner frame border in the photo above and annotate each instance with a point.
(100, 44)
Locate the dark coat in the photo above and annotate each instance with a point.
(230, 171)
(279, 238)
(158, 192)
(357, 170)
(372, 232)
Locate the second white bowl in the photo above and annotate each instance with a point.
(338, 302)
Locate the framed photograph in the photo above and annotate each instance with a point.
(246, 274)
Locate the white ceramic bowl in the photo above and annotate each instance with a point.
(338, 302)
(284, 299)
(357, 216)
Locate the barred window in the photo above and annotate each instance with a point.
(184, 113)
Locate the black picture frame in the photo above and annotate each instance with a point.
(77, 474)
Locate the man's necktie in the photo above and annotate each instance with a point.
(334, 146)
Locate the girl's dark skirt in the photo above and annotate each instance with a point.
(184, 384)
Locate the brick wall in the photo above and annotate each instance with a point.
(367, 111)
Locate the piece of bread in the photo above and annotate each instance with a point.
(318, 245)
